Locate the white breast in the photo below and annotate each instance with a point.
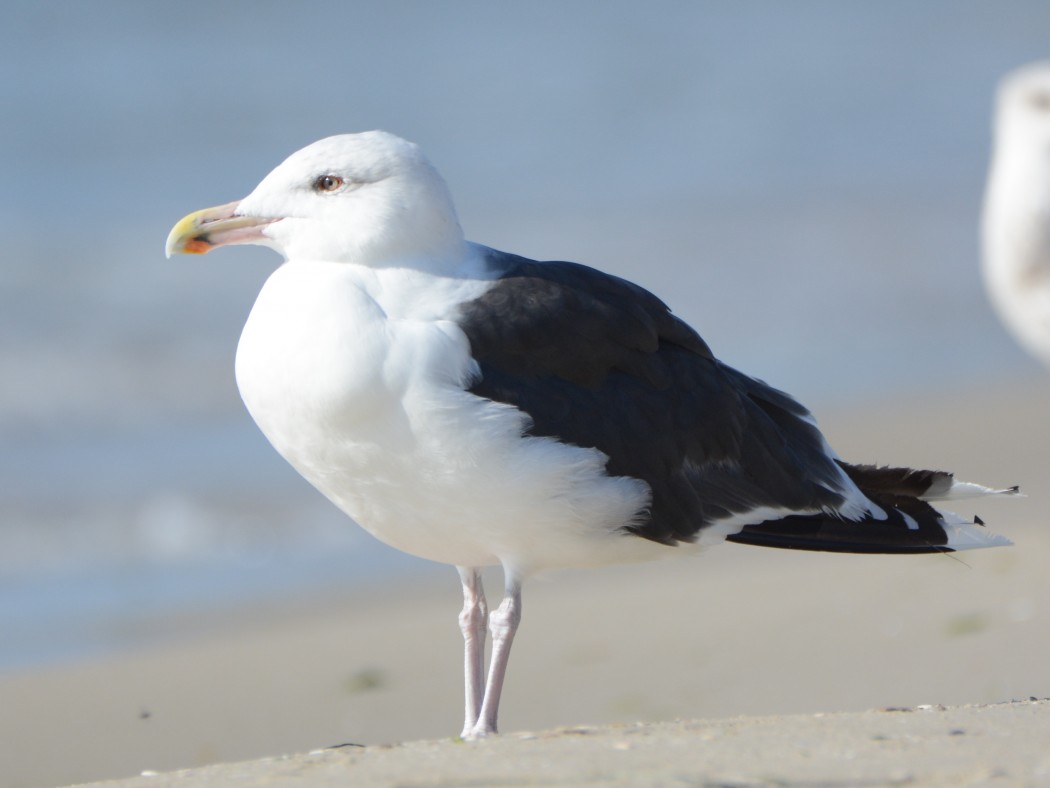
(358, 379)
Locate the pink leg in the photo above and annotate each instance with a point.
(473, 620)
(503, 623)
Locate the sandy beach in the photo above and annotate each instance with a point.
(971, 745)
(744, 639)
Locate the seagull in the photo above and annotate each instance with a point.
(1016, 221)
(478, 408)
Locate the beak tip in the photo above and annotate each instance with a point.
(193, 234)
(181, 235)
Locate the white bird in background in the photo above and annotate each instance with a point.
(477, 408)
(1016, 226)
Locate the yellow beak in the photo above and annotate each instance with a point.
(202, 231)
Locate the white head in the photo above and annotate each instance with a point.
(1023, 109)
(369, 198)
(1016, 220)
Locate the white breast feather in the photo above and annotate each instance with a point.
(371, 409)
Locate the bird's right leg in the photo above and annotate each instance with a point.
(473, 622)
(503, 624)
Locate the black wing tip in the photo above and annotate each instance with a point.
(784, 542)
(908, 526)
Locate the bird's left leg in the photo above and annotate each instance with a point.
(503, 623)
(473, 621)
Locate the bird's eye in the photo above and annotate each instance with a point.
(328, 183)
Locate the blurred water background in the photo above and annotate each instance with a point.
(799, 180)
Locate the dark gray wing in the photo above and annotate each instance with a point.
(599, 362)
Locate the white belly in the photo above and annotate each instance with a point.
(371, 409)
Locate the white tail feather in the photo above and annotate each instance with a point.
(960, 490)
(968, 534)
